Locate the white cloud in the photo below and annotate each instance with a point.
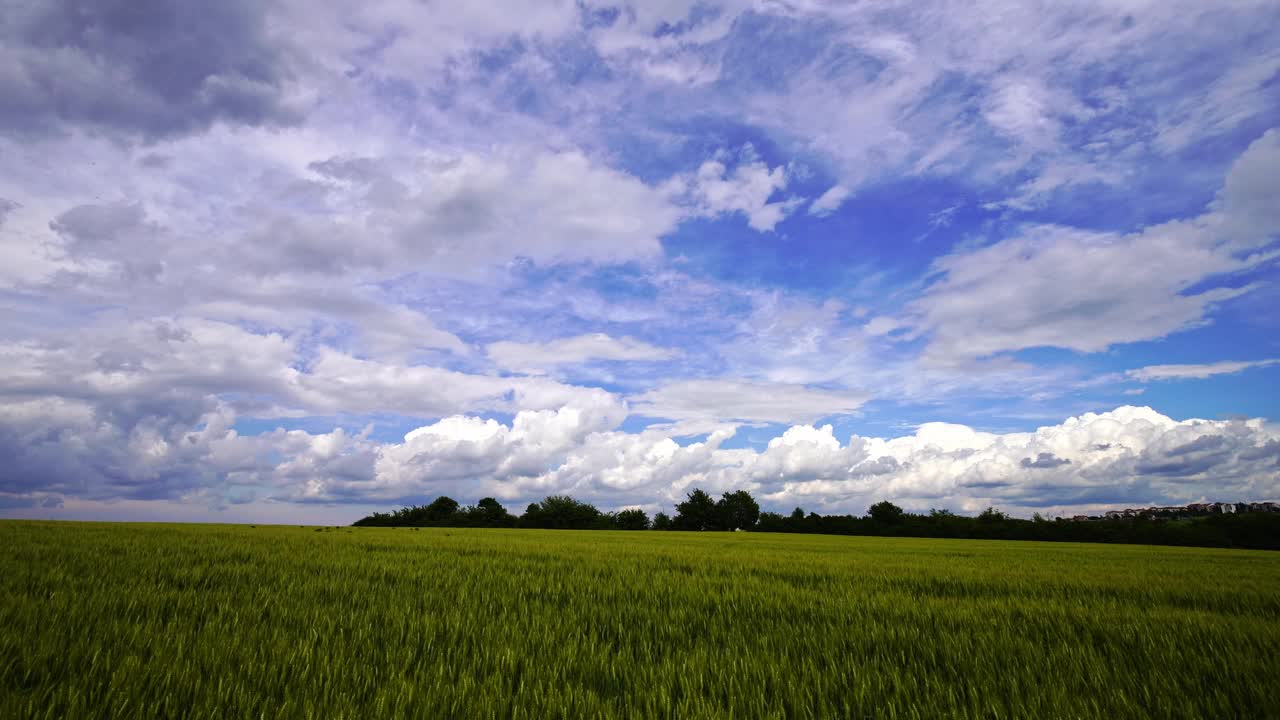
(1196, 371)
(310, 215)
(715, 189)
(1021, 108)
(1237, 95)
(1062, 287)
(423, 40)
(396, 330)
(281, 244)
(1130, 456)
(1083, 290)
(947, 92)
(536, 357)
(830, 201)
(1248, 199)
(744, 401)
(486, 456)
(463, 212)
(881, 325)
(166, 362)
(1127, 456)
(66, 450)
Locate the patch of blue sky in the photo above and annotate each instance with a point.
(725, 250)
(765, 53)
(385, 428)
(1248, 393)
(755, 436)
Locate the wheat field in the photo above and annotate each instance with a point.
(220, 621)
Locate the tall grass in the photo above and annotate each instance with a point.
(147, 621)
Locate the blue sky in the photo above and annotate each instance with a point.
(294, 261)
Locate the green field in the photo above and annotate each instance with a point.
(215, 621)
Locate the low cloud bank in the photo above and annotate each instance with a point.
(1130, 456)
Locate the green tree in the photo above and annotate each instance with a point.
(737, 510)
(442, 510)
(991, 516)
(696, 513)
(662, 521)
(563, 513)
(490, 513)
(886, 513)
(631, 519)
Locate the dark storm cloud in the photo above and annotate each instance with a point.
(1045, 461)
(138, 68)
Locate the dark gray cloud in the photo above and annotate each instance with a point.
(1179, 467)
(6, 207)
(1045, 461)
(139, 68)
(1200, 444)
(119, 235)
(1269, 450)
(155, 161)
(1209, 453)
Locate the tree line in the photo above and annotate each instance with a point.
(734, 510)
(738, 510)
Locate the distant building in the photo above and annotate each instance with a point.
(1165, 512)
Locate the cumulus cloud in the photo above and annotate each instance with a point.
(66, 447)
(149, 366)
(1196, 371)
(715, 189)
(1126, 456)
(1129, 456)
(1044, 460)
(536, 357)
(444, 212)
(358, 218)
(468, 454)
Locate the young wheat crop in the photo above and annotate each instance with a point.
(147, 621)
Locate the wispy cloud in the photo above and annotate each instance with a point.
(1194, 371)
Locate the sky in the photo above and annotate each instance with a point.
(295, 261)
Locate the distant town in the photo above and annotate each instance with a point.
(1181, 511)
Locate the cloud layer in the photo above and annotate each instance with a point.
(307, 257)
(1129, 456)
